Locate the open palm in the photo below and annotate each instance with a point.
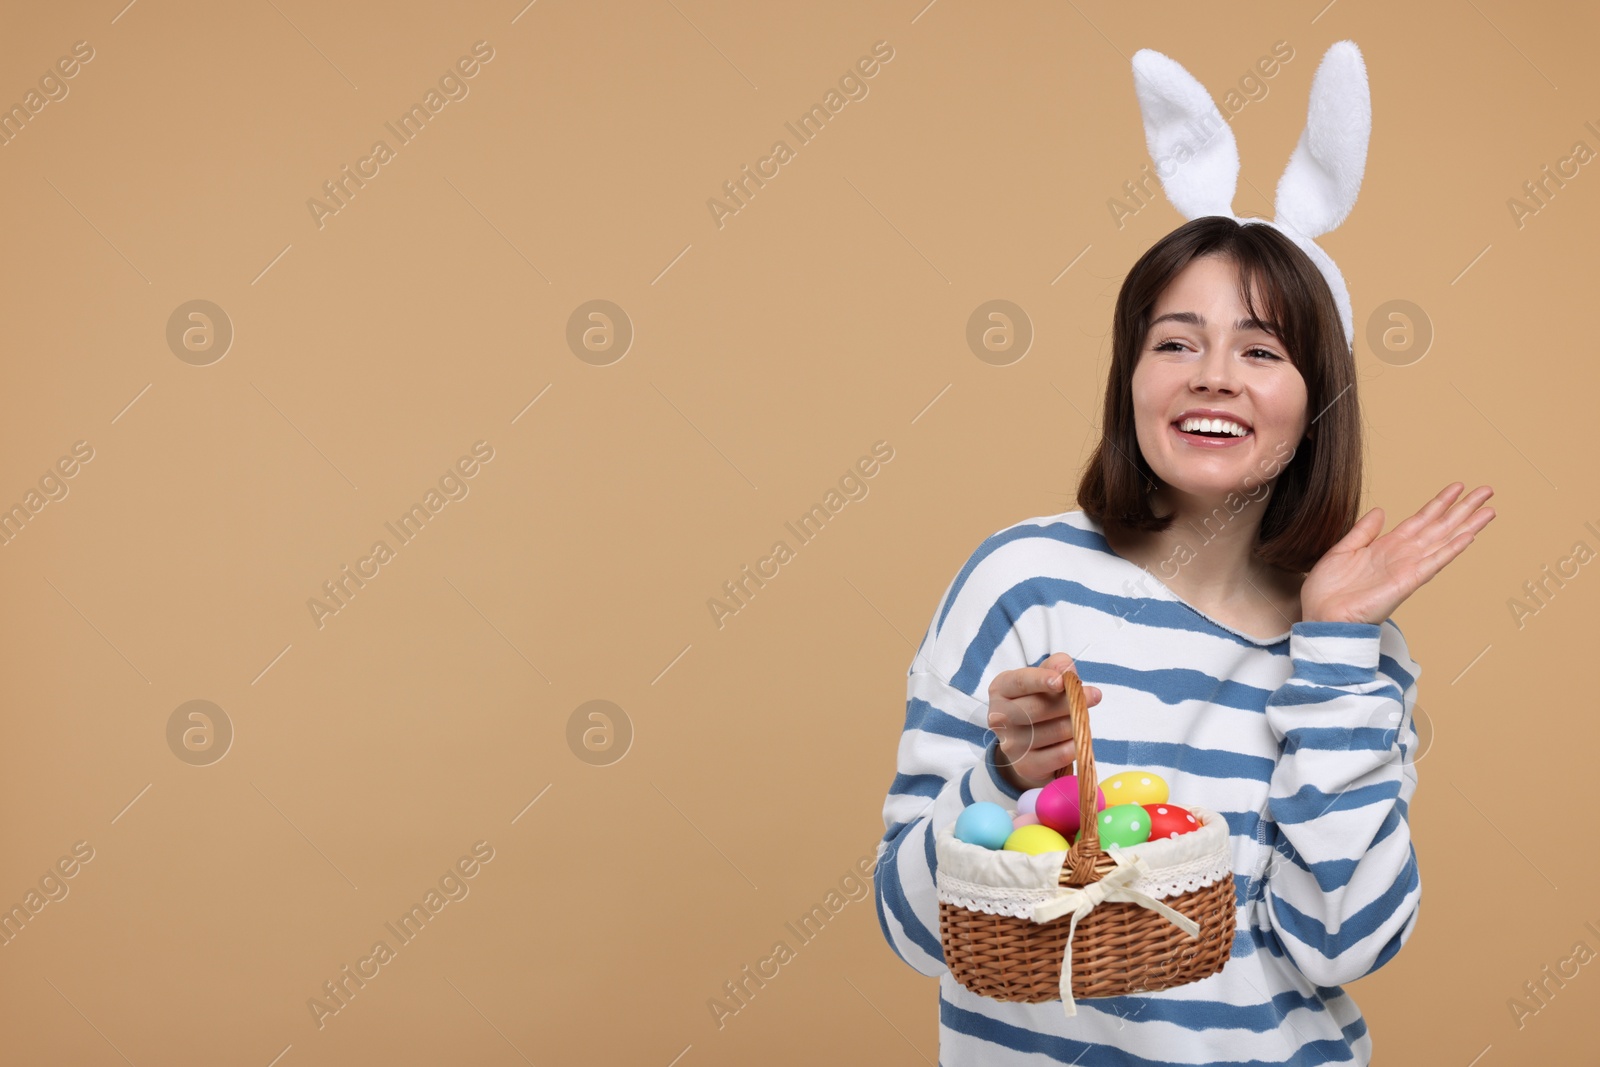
(1365, 577)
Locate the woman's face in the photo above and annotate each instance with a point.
(1206, 359)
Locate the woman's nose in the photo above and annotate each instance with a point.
(1215, 371)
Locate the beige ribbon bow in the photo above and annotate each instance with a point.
(1113, 887)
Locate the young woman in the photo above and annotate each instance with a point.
(1228, 613)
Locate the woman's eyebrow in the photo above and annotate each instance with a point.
(1197, 320)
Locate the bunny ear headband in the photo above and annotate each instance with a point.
(1187, 135)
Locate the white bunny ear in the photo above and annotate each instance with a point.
(1187, 137)
(1319, 186)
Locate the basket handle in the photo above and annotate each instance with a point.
(1085, 851)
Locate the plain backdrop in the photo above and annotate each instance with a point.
(644, 455)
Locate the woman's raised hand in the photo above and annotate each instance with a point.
(1365, 577)
(1028, 712)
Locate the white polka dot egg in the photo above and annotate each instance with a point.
(1135, 787)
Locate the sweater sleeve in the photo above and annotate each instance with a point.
(945, 762)
(1343, 888)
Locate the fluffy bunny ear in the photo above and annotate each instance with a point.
(1187, 136)
(1319, 186)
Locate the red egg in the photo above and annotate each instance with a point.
(1057, 806)
(1169, 820)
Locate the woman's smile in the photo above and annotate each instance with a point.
(1200, 440)
(1215, 390)
(1211, 428)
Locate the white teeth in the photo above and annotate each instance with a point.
(1212, 426)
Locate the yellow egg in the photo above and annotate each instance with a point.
(1135, 787)
(1036, 840)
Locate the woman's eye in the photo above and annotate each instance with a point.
(1165, 346)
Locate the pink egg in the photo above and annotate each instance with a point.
(1057, 806)
(1026, 818)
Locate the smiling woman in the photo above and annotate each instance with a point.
(1263, 679)
(1227, 321)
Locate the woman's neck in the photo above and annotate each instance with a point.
(1207, 554)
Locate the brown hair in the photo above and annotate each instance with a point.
(1315, 498)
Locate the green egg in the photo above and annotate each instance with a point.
(1124, 824)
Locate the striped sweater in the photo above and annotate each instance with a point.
(1302, 741)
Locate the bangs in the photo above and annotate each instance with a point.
(1315, 498)
(1271, 292)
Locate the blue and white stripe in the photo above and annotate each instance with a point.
(1302, 742)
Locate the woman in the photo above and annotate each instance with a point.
(1220, 595)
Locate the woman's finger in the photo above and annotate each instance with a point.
(1039, 764)
(1042, 734)
(1059, 660)
(1450, 524)
(1014, 700)
(1429, 511)
(1471, 512)
(1033, 729)
(1022, 711)
(1051, 704)
(1020, 682)
(1434, 563)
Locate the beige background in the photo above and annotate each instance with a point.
(769, 355)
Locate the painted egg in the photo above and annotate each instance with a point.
(1026, 818)
(1026, 802)
(1123, 824)
(984, 824)
(1057, 806)
(1169, 820)
(1036, 840)
(1135, 787)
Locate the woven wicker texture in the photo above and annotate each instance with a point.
(1118, 947)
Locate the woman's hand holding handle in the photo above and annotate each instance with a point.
(1028, 713)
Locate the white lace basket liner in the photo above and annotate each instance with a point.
(1000, 882)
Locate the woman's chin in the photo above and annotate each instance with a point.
(1217, 489)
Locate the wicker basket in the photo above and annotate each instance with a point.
(1086, 922)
